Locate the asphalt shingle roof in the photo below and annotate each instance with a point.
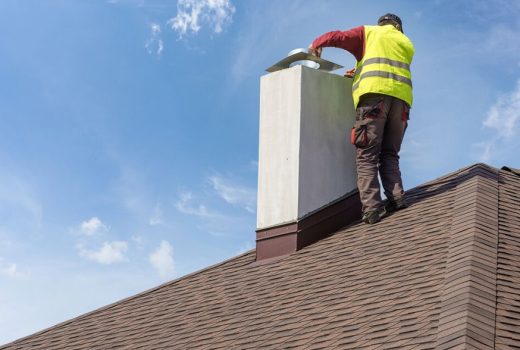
(441, 274)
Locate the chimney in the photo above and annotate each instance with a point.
(306, 171)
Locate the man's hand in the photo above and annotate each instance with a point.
(350, 73)
(314, 51)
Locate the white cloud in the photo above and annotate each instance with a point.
(11, 270)
(157, 216)
(215, 223)
(138, 240)
(214, 216)
(192, 14)
(154, 44)
(235, 194)
(184, 205)
(503, 118)
(110, 252)
(484, 150)
(504, 114)
(93, 226)
(162, 260)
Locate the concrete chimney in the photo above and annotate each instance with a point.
(307, 173)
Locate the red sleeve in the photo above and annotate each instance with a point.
(352, 40)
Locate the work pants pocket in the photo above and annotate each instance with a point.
(360, 135)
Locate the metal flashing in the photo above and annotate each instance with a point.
(285, 63)
(288, 238)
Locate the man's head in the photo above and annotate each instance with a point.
(392, 19)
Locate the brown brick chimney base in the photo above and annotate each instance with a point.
(278, 241)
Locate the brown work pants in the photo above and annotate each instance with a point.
(381, 121)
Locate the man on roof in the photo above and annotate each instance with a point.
(382, 93)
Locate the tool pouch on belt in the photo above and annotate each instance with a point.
(360, 136)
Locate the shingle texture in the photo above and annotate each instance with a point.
(508, 277)
(441, 274)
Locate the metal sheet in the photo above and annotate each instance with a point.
(303, 56)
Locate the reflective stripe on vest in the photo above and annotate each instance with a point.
(385, 67)
(382, 60)
(382, 74)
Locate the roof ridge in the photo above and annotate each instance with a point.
(469, 292)
(124, 300)
(511, 170)
(450, 176)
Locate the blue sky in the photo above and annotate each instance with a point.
(129, 130)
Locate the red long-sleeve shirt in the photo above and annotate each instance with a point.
(352, 40)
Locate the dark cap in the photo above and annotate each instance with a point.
(390, 17)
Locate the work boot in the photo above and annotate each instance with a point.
(395, 205)
(373, 216)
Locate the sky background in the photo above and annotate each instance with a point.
(129, 130)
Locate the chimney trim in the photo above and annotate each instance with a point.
(285, 239)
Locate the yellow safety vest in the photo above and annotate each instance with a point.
(385, 67)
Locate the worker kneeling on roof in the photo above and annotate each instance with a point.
(382, 93)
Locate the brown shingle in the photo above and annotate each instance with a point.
(442, 274)
(508, 276)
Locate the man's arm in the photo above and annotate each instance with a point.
(352, 40)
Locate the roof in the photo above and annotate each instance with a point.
(443, 273)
